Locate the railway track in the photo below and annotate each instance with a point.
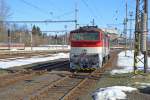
(28, 54)
(55, 90)
(72, 86)
(23, 74)
(49, 66)
(68, 87)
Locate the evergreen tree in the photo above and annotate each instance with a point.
(38, 31)
(34, 30)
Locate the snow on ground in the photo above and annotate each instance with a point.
(112, 93)
(8, 59)
(125, 63)
(48, 47)
(143, 85)
(19, 62)
(39, 48)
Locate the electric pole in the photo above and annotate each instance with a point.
(93, 22)
(65, 38)
(9, 39)
(20, 38)
(125, 29)
(141, 30)
(124, 33)
(136, 43)
(144, 33)
(131, 14)
(76, 15)
(31, 39)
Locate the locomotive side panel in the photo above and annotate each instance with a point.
(106, 46)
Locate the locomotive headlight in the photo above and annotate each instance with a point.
(73, 58)
(94, 59)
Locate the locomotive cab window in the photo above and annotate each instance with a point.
(85, 36)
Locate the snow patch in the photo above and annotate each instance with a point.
(13, 50)
(146, 84)
(112, 93)
(125, 63)
(26, 61)
(48, 47)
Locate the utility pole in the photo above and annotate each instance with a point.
(131, 14)
(65, 38)
(136, 43)
(144, 33)
(141, 30)
(31, 39)
(124, 33)
(93, 22)
(125, 29)
(76, 15)
(9, 39)
(20, 38)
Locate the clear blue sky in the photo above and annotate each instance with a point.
(105, 12)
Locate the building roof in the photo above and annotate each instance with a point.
(111, 30)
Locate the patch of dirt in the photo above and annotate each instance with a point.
(4, 72)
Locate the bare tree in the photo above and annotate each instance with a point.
(4, 10)
(4, 14)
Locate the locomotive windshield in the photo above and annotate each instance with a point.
(85, 36)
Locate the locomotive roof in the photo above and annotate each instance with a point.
(87, 29)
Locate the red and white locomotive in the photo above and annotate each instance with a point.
(89, 48)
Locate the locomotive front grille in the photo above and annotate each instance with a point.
(84, 61)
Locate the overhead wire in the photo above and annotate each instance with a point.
(34, 6)
(90, 10)
(64, 14)
(96, 9)
(118, 11)
(43, 11)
